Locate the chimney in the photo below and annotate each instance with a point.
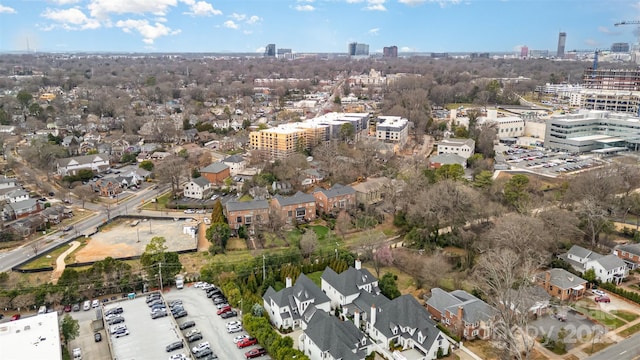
(459, 315)
(288, 282)
(358, 264)
(373, 315)
(356, 319)
(547, 279)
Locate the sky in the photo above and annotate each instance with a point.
(214, 26)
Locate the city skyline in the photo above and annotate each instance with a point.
(312, 25)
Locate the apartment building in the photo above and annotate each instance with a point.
(394, 129)
(611, 89)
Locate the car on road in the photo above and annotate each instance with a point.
(254, 353)
(599, 292)
(67, 228)
(194, 337)
(239, 338)
(247, 342)
(201, 211)
(203, 345)
(187, 324)
(224, 310)
(229, 314)
(603, 299)
(174, 346)
(97, 337)
(189, 211)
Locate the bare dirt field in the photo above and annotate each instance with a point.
(120, 239)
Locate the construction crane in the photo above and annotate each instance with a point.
(630, 22)
(595, 56)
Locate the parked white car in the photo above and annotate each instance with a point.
(599, 292)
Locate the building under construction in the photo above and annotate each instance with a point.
(611, 89)
(611, 79)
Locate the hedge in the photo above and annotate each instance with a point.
(629, 295)
(280, 348)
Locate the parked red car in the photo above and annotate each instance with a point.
(15, 317)
(224, 310)
(603, 299)
(254, 353)
(247, 342)
(67, 308)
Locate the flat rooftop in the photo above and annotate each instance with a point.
(591, 138)
(34, 337)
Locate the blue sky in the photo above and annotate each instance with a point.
(311, 25)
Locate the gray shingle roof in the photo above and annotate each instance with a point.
(247, 205)
(304, 289)
(340, 338)
(473, 309)
(337, 190)
(630, 248)
(235, 159)
(457, 142)
(447, 159)
(348, 281)
(297, 198)
(579, 251)
(564, 280)
(85, 159)
(201, 181)
(214, 168)
(610, 262)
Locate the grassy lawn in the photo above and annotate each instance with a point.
(596, 347)
(46, 259)
(602, 317)
(628, 316)
(274, 241)
(315, 277)
(236, 244)
(160, 204)
(630, 330)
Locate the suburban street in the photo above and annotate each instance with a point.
(129, 205)
(627, 349)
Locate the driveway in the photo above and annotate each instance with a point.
(576, 327)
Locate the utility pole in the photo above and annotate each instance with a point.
(160, 272)
(264, 269)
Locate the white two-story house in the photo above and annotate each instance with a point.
(345, 287)
(199, 188)
(71, 166)
(346, 343)
(608, 268)
(460, 147)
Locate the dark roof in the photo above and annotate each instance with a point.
(411, 319)
(85, 159)
(201, 181)
(563, 279)
(297, 198)
(214, 168)
(447, 159)
(337, 190)
(342, 339)
(247, 205)
(364, 301)
(349, 281)
(630, 248)
(234, 159)
(304, 289)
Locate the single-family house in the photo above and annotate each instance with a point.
(436, 161)
(371, 191)
(236, 164)
(17, 195)
(27, 226)
(608, 268)
(299, 207)
(246, 213)
(406, 324)
(562, 284)
(56, 213)
(216, 172)
(345, 287)
(198, 188)
(288, 307)
(311, 176)
(6, 183)
(106, 186)
(461, 147)
(335, 199)
(328, 338)
(21, 209)
(629, 253)
(462, 313)
(71, 166)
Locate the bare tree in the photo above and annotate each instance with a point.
(343, 223)
(172, 170)
(426, 270)
(85, 193)
(23, 301)
(308, 243)
(36, 246)
(381, 258)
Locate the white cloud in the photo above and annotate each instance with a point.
(70, 19)
(230, 24)
(148, 31)
(7, 10)
(407, 49)
(412, 2)
(201, 8)
(376, 5)
(247, 32)
(102, 8)
(260, 49)
(374, 31)
(238, 17)
(442, 3)
(354, 1)
(65, 2)
(306, 7)
(253, 19)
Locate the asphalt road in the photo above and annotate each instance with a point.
(627, 349)
(14, 257)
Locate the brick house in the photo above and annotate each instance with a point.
(335, 199)
(246, 213)
(562, 284)
(107, 187)
(299, 207)
(629, 253)
(462, 313)
(216, 172)
(21, 209)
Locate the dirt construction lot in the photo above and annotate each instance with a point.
(120, 239)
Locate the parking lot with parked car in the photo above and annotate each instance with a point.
(213, 328)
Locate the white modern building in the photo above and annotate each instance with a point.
(460, 147)
(198, 188)
(507, 126)
(34, 337)
(394, 129)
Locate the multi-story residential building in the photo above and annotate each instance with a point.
(236, 164)
(279, 142)
(346, 340)
(246, 213)
(562, 284)
(215, 172)
(300, 207)
(270, 50)
(199, 188)
(593, 130)
(335, 199)
(462, 313)
(611, 89)
(390, 51)
(344, 288)
(71, 166)
(394, 129)
(460, 147)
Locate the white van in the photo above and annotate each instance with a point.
(42, 310)
(87, 305)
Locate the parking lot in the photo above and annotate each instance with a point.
(202, 310)
(545, 161)
(85, 340)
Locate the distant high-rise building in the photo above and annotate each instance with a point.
(356, 49)
(620, 47)
(390, 52)
(524, 52)
(562, 39)
(270, 50)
